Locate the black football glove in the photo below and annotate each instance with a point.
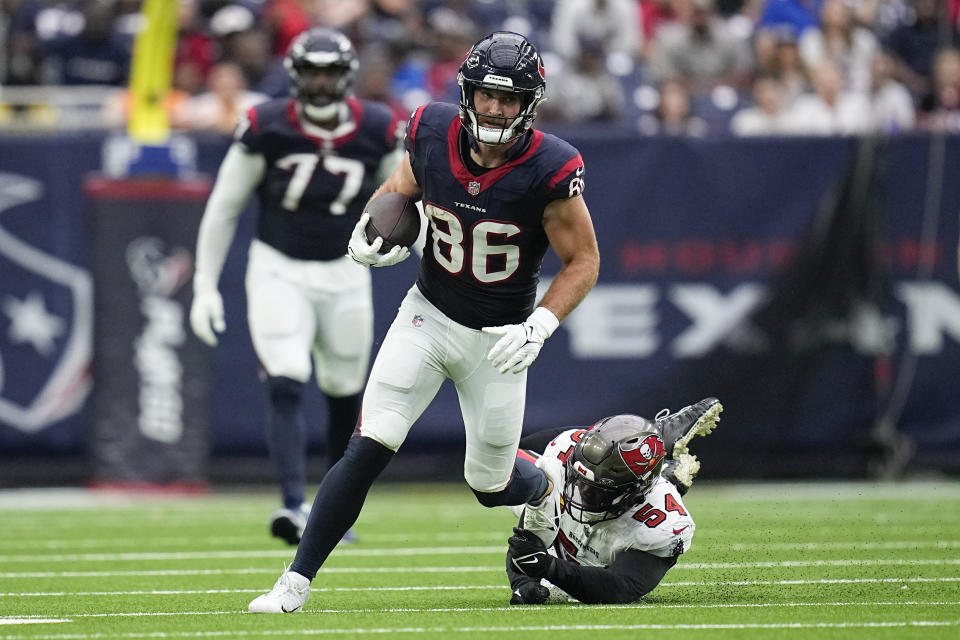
(531, 592)
(528, 554)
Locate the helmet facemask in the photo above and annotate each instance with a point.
(612, 468)
(512, 127)
(323, 50)
(503, 61)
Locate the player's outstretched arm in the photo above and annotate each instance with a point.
(239, 174)
(570, 231)
(632, 575)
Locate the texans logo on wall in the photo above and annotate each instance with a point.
(46, 324)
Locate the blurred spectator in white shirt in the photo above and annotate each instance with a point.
(766, 116)
(891, 103)
(777, 55)
(613, 22)
(673, 115)
(702, 50)
(831, 109)
(219, 108)
(850, 47)
(584, 90)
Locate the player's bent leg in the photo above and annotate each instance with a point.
(338, 502)
(679, 428)
(526, 484)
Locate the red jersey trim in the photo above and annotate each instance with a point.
(565, 170)
(252, 117)
(463, 175)
(523, 455)
(414, 124)
(355, 107)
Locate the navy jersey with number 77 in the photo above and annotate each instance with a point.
(316, 184)
(486, 242)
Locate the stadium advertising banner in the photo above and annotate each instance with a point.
(810, 284)
(150, 396)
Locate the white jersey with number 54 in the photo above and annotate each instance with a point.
(659, 523)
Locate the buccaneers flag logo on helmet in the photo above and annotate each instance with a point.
(643, 456)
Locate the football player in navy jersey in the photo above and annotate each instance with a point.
(496, 193)
(313, 161)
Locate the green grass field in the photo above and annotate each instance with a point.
(791, 561)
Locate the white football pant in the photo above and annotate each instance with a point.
(422, 349)
(298, 308)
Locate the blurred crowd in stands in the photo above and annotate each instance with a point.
(661, 67)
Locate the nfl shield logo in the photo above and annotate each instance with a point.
(473, 188)
(417, 320)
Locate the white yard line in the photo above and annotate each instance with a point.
(436, 551)
(552, 607)
(361, 570)
(318, 589)
(490, 629)
(9, 546)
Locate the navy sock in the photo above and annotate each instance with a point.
(338, 502)
(526, 483)
(287, 438)
(344, 412)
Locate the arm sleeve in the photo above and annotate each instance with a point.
(631, 576)
(239, 174)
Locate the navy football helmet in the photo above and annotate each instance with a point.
(505, 61)
(325, 49)
(612, 468)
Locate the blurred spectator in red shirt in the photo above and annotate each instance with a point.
(284, 20)
(195, 53)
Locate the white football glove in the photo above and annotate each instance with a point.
(206, 312)
(366, 253)
(520, 344)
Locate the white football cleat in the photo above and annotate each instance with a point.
(288, 595)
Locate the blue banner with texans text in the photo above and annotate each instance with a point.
(810, 284)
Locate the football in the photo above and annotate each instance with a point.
(393, 217)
